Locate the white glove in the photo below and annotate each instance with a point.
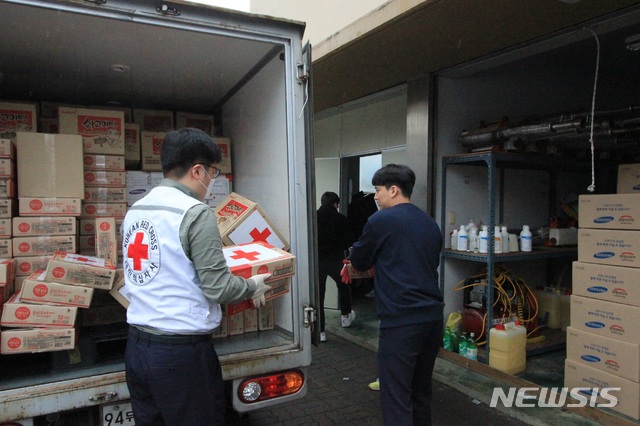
(257, 299)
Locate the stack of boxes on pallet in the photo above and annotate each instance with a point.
(603, 342)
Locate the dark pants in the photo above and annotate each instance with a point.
(174, 384)
(406, 356)
(332, 268)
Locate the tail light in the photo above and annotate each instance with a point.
(270, 386)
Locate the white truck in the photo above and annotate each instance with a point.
(253, 75)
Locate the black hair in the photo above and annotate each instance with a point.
(395, 174)
(185, 147)
(329, 199)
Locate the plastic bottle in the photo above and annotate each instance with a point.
(497, 240)
(505, 239)
(454, 340)
(471, 226)
(483, 245)
(472, 347)
(462, 344)
(526, 239)
(473, 240)
(463, 239)
(446, 339)
(508, 348)
(454, 240)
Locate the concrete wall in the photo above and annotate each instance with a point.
(323, 18)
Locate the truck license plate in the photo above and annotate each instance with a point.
(117, 414)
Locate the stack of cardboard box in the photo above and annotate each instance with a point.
(252, 246)
(603, 341)
(42, 315)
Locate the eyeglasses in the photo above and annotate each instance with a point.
(216, 171)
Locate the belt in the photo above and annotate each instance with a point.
(172, 339)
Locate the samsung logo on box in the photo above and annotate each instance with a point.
(137, 191)
(590, 358)
(597, 289)
(594, 324)
(604, 255)
(603, 219)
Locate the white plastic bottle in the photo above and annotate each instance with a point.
(473, 240)
(463, 239)
(454, 240)
(505, 239)
(497, 240)
(483, 245)
(526, 239)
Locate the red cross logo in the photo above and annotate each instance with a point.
(241, 254)
(138, 251)
(260, 236)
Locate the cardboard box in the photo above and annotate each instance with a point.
(581, 376)
(222, 187)
(153, 120)
(8, 188)
(235, 323)
(95, 210)
(102, 131)
(6, 291)
(278, 288)
(18, 314)
(106, 240)
(27, 265)
(44, 245)
(628, 179)
(603, 353)
(610, 211)
(44, 206)
(8, 208)
(17, 117)
(242, 221)
(35, 289)
(88, 271)
(7, 169)
(6, 248)
(250, 320)
(140, 183)
(128, 112)
(32, 340)
(131, 146)
(118, 291)
(107, 163)
(49, 165)
(50, 109)
(7, 148)
(609, 247)
(198, 121)
(246, 260)
(608, 319)
(99, 194)
(225, 149)
(6, 228)
(617, 284)
(7, 270)
(104, 179)
(151, 146)
(223, 328)
(266, 319)
(87, 242)
(44, 225)
(88, 226)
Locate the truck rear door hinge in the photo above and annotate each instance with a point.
(309, 316)
(303, 73)
(166, 10)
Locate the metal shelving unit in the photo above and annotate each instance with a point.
(497, 163)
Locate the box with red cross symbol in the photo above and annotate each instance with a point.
(76, 269)
(242, 221)
(250, 259)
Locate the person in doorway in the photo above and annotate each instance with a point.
(334, 238)
(176, 278)
(403, 244)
